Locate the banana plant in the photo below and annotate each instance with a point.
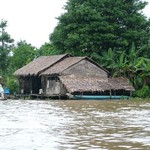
(145, 71)
(120, 64)
(106, 59)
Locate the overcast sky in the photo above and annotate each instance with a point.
(34, 20)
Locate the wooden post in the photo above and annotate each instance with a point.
(30, 85)
(110, 93)
(130, 93)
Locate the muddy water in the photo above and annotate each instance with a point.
(73, 125)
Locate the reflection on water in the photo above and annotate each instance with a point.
(65, 125)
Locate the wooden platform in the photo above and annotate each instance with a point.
(39, 96)
(42, 96)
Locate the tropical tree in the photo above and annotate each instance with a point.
(6, 44)
(107, 59)
(121, 65)
(23, 53)
(47, 49)
(142, 78)
(132, 66)
(94, 26)
(145, 71)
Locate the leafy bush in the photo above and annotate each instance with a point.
(12, 84)
(144, 92)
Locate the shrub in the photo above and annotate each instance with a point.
(12, 84)
(144, 92)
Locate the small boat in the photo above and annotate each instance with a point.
(98, 97)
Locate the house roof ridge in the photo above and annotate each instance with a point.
(65, 64)
(39, 64)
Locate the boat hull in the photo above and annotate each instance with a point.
(99, 97)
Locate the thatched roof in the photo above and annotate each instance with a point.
(95, 84)
(50, 65)
(38, 65)
(62, 65)
(66, 63)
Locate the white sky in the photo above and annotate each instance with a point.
(31, 20)
(34, 20)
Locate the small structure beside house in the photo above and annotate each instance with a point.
(60, 75)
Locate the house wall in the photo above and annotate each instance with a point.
(29, 84)
(24, 83)
(85, 68)
(53, 86)
(36, 84)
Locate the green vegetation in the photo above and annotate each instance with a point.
(115, 33)
(91, 27)
(13, 84)
(47, 49)
(23, 53)
(6, 43)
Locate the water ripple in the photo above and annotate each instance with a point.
(62, 125)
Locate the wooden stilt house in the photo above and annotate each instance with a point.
(29, 77)
(61, 74)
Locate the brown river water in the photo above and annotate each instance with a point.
(74, 125)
